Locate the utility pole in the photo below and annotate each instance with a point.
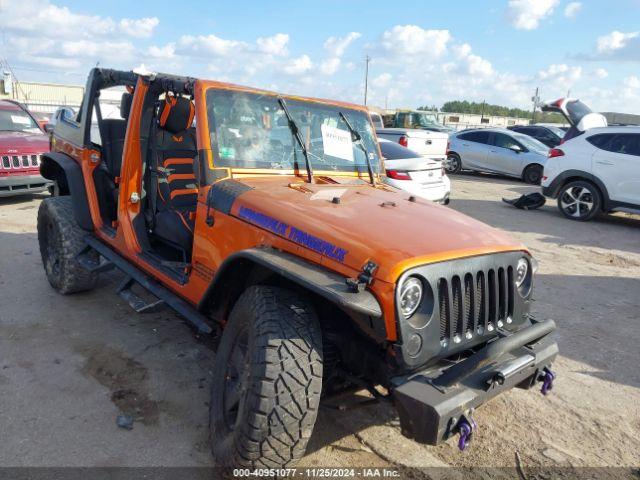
(366, 77)
(484, 102)
(536, 100)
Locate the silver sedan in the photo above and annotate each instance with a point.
(497, 150)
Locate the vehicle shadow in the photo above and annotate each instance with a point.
(619, 232)
(23, 198)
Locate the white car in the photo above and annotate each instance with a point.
(417, 175)
(596, 171)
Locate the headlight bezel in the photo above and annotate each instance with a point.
(524, 286)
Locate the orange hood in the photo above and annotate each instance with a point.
(368, 223)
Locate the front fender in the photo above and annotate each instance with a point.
(60, 167)
(315, 278)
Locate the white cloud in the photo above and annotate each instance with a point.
(527, 14)
(382, 80)
(209, 45)
(601, 73)
(572, 9)
(336, 46)
(298, 66)
(561, 74)
(142, 28)
(632, 81)
(615, 41)
(414, 40)
(330, 65)
(168, 51)
(274, 45)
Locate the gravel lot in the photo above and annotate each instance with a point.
(68, 365)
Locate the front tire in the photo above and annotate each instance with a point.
(267, 381)
(453, 164)
(61, 239)
(579, 200)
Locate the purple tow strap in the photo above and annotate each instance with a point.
(547, 381)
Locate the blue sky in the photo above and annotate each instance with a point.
(422, 52)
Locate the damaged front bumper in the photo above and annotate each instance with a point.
(437, 403)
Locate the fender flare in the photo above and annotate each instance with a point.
(51, 164)
(320, 281)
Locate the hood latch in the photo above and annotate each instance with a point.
(364, 279)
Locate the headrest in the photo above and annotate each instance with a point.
(176, 114)
(125, 105)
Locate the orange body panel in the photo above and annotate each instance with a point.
(369, 223)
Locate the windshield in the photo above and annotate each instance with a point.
(531, 143)
(425, 119)
(250, 130)
(557, 130)
(17, 121)
(576, 111)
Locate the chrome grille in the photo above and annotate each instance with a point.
(475, 302)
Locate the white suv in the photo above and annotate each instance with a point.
(596, 171)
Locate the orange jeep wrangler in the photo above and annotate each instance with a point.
(262, 219)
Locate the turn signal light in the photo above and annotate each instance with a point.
(404, 141)
(398, 175)
(556, 152)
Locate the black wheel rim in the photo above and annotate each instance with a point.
(236, 379)
(534, 176)
(52, 263)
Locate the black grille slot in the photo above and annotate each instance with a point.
(34, 160)
(16, 161)
(457, 305)
(510, 291)
(469, 303)
(481, 295)
(502, 297)
(492, 287)
(443, 300)
(6, 163)
(25, 160)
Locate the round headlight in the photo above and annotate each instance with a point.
(521, 271)
(410, 296)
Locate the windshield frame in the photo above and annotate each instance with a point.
(209, 136)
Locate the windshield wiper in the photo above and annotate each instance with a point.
(296, 133)
(356, 137)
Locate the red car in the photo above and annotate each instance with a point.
(22, 142)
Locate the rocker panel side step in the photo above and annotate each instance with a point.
(138, 276)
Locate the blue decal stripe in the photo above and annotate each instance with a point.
(292, 233)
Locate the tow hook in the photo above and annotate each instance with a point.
(466, 427)
(547, 378)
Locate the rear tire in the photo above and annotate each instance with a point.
(453, 163)
(61, 239)
(579, 200)
(532, 174)
(267, 381)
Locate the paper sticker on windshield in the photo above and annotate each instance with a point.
(337, 143)
(20, 119)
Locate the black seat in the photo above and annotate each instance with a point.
(177, 189)
(113, 131)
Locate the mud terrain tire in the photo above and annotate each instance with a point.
(267, 380)
(61, 239)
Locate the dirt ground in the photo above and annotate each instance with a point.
(70, 365)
